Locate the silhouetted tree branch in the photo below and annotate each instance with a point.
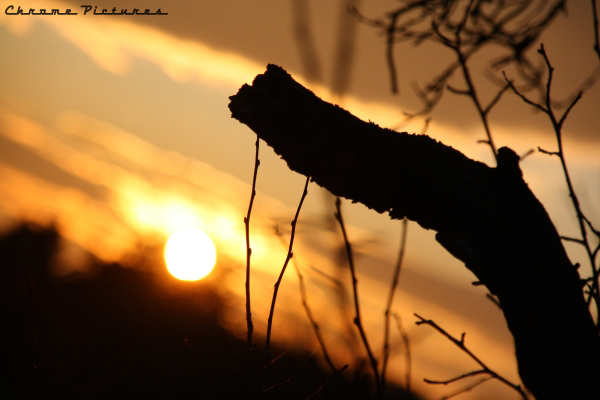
(485, 370)
(465, 27)
(557, 125)
(486, 217)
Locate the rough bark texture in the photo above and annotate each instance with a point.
(486, 217)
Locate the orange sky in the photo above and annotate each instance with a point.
(118, 129)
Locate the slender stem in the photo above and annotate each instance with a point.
(461, 345)
(473, 95)
(388, 308)
(357, 318)
(327, 381)
(249, 249)
(407, 355)
(309, 314)
(289, 256)
(596, 33)
(472, 92)
(250, 326)
(389, 53)
(557, 125)
(313, 322)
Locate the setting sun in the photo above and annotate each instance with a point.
(190, 254)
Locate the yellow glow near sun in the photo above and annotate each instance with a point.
(190, 254)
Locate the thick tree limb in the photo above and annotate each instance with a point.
(486, 217)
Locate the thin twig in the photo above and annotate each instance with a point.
(388, 308)
(458, 378)
(456, 45)
(389, 54)
(474, 96)
(467, 388)
(288, 379)
(496, 99)
(357, 319)
(407, 355)
(309, 314)
(329, 379)
(250, 327)
(289, 256)
(425, 126)
(512, 26)
(570, 239)
(557, 124)
(596, 32)
(522, 96)
(315, 325)
(461, 345)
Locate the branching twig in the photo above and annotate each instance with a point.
(357, 319)
(461, 345)
(466, 29)
(289, 256)
(557, 124)
(456, 46)
(502, 234)
(388, 308)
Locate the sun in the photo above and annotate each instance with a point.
(190, 254)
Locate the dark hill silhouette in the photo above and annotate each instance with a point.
(119, 334)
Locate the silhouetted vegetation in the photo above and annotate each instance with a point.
(486, 217)
(127, 332)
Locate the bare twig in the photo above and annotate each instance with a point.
(357, 319)
(407, 355)
(557, 124)
(461, 345)
(596, 33)
(458, 378)
(425, 126)
(496, 99)
(365, 163)
(467, 388)
(456, 46)
(250, 327)
(329, 379)
(309, 314)
(389, 55)
(305, 41)
(527, 154)
(466, 27)
(388, 308)
(494, 300)
(289, 256)
(288, 379)
(313, 322)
